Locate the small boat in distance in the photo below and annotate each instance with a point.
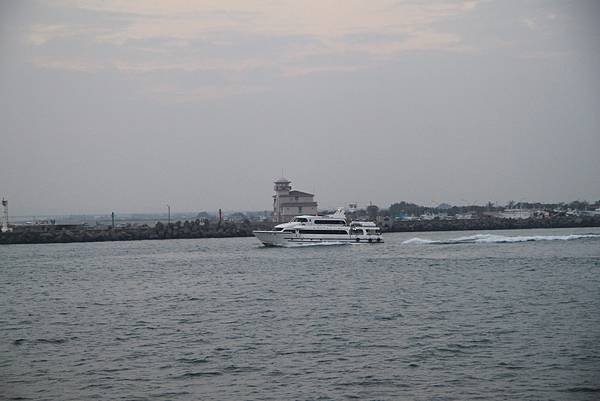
(307, 229)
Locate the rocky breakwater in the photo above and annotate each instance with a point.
(44, 234)
(492, 223)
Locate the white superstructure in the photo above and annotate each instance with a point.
(307, 229)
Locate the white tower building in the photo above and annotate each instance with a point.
(288, 203)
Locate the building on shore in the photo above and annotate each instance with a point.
(288, 203)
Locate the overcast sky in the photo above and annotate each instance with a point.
(129, 105)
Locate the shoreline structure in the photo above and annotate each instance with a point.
(46, 234)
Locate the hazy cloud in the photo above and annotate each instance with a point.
(151, 30)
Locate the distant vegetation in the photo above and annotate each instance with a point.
(405, 209)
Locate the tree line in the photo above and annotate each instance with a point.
(404, 208)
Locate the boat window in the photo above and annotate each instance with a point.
(288, 231)
(331, 222)
(338, 232)
(357, 231)
(301, 219)
(373, 231)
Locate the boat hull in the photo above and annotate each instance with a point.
(279, 238)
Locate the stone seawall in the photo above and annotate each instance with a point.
(489, 223)
(197, 229)
(194, 229)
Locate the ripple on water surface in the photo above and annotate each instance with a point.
(503, 315)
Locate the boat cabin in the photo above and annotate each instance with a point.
(325, 220)
(364, 228)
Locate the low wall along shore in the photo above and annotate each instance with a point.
(197, 229)
(489, 223)
(76, 233)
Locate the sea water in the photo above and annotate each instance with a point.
(426, 316)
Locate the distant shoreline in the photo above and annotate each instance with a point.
(48, 234)
(492, 223)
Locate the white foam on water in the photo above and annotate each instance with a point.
(418, 241)
(498, 239)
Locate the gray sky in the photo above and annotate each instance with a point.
(130, 105)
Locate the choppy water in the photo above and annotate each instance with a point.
(440, 318)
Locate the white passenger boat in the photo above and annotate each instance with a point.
(309, 229)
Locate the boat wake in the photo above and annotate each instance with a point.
(498, 239)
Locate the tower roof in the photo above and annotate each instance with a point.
(282, 180)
